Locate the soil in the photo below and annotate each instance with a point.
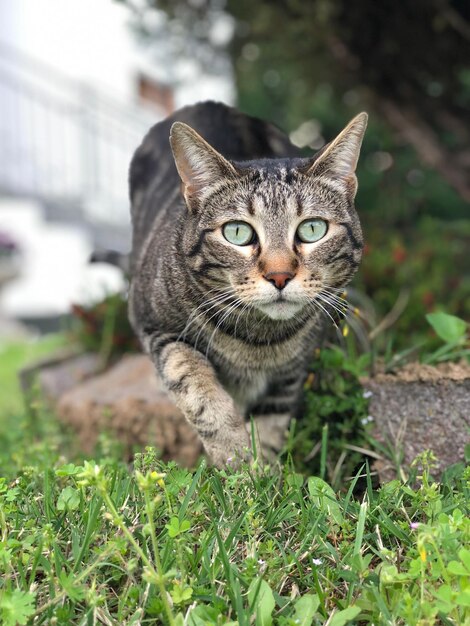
(127, 400)
(427, 373)
(421, 407)
(417, 408)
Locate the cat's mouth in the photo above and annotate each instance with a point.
(281, 308)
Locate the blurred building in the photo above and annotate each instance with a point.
(78, 91)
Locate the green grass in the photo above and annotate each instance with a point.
(98, 542)
(13, 356)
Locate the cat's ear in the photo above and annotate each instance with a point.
(338, 159)
(198, 164)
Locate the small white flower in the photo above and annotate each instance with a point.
(317, 561)
(261, 562)
(367, 420)
(367, 394)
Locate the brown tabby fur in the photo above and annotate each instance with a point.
(225, 340)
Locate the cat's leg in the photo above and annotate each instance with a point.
(195, 389)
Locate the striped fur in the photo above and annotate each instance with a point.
(227, 343)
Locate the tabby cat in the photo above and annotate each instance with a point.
(240, 246)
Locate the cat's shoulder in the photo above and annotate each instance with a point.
(236, 135)
(154, 150)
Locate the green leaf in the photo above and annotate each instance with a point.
(196, 617)
(261, 600)
(449, 327)
(295, 480)
(463, 598)
(343, 617)
(68, 582)
(5, 556)
(16, 607)
(464, 556)
(388, 574)
(305, 608)
(12, 494)
(181, 593)
(179, 620)
(323, 496)
(360, 528)
(175, 527)
(203, 615)
(456, 568)
(68, 470)
(444, 599)
(69, 499)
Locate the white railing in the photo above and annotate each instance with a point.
(65, 143)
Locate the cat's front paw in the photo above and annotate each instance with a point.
(231, 450)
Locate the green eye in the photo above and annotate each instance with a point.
(239, 233)
(310, 231)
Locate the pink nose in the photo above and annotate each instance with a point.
(279, 279)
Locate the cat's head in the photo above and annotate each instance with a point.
(279, 234)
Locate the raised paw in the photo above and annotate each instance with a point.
(231, 449)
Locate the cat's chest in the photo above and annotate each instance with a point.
(247, 371)
(258, 360)
(247, 390)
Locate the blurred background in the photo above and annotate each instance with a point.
(81, 81)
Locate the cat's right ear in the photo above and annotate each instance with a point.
(198, 164)
(338, 159)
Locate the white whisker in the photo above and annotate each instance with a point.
(315, 300)
(350, 314)
(208, 320)
(203, 309)
(231, 308)
(245, 307)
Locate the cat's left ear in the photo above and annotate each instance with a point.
(338, 160)
(198, 163)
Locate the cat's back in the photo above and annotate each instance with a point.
(153, 178)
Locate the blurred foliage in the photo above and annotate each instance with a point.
(335, 403)
(426, 263)
(15, 354)
(309, 67)
(104, 327)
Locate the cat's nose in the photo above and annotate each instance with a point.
(279, 279)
